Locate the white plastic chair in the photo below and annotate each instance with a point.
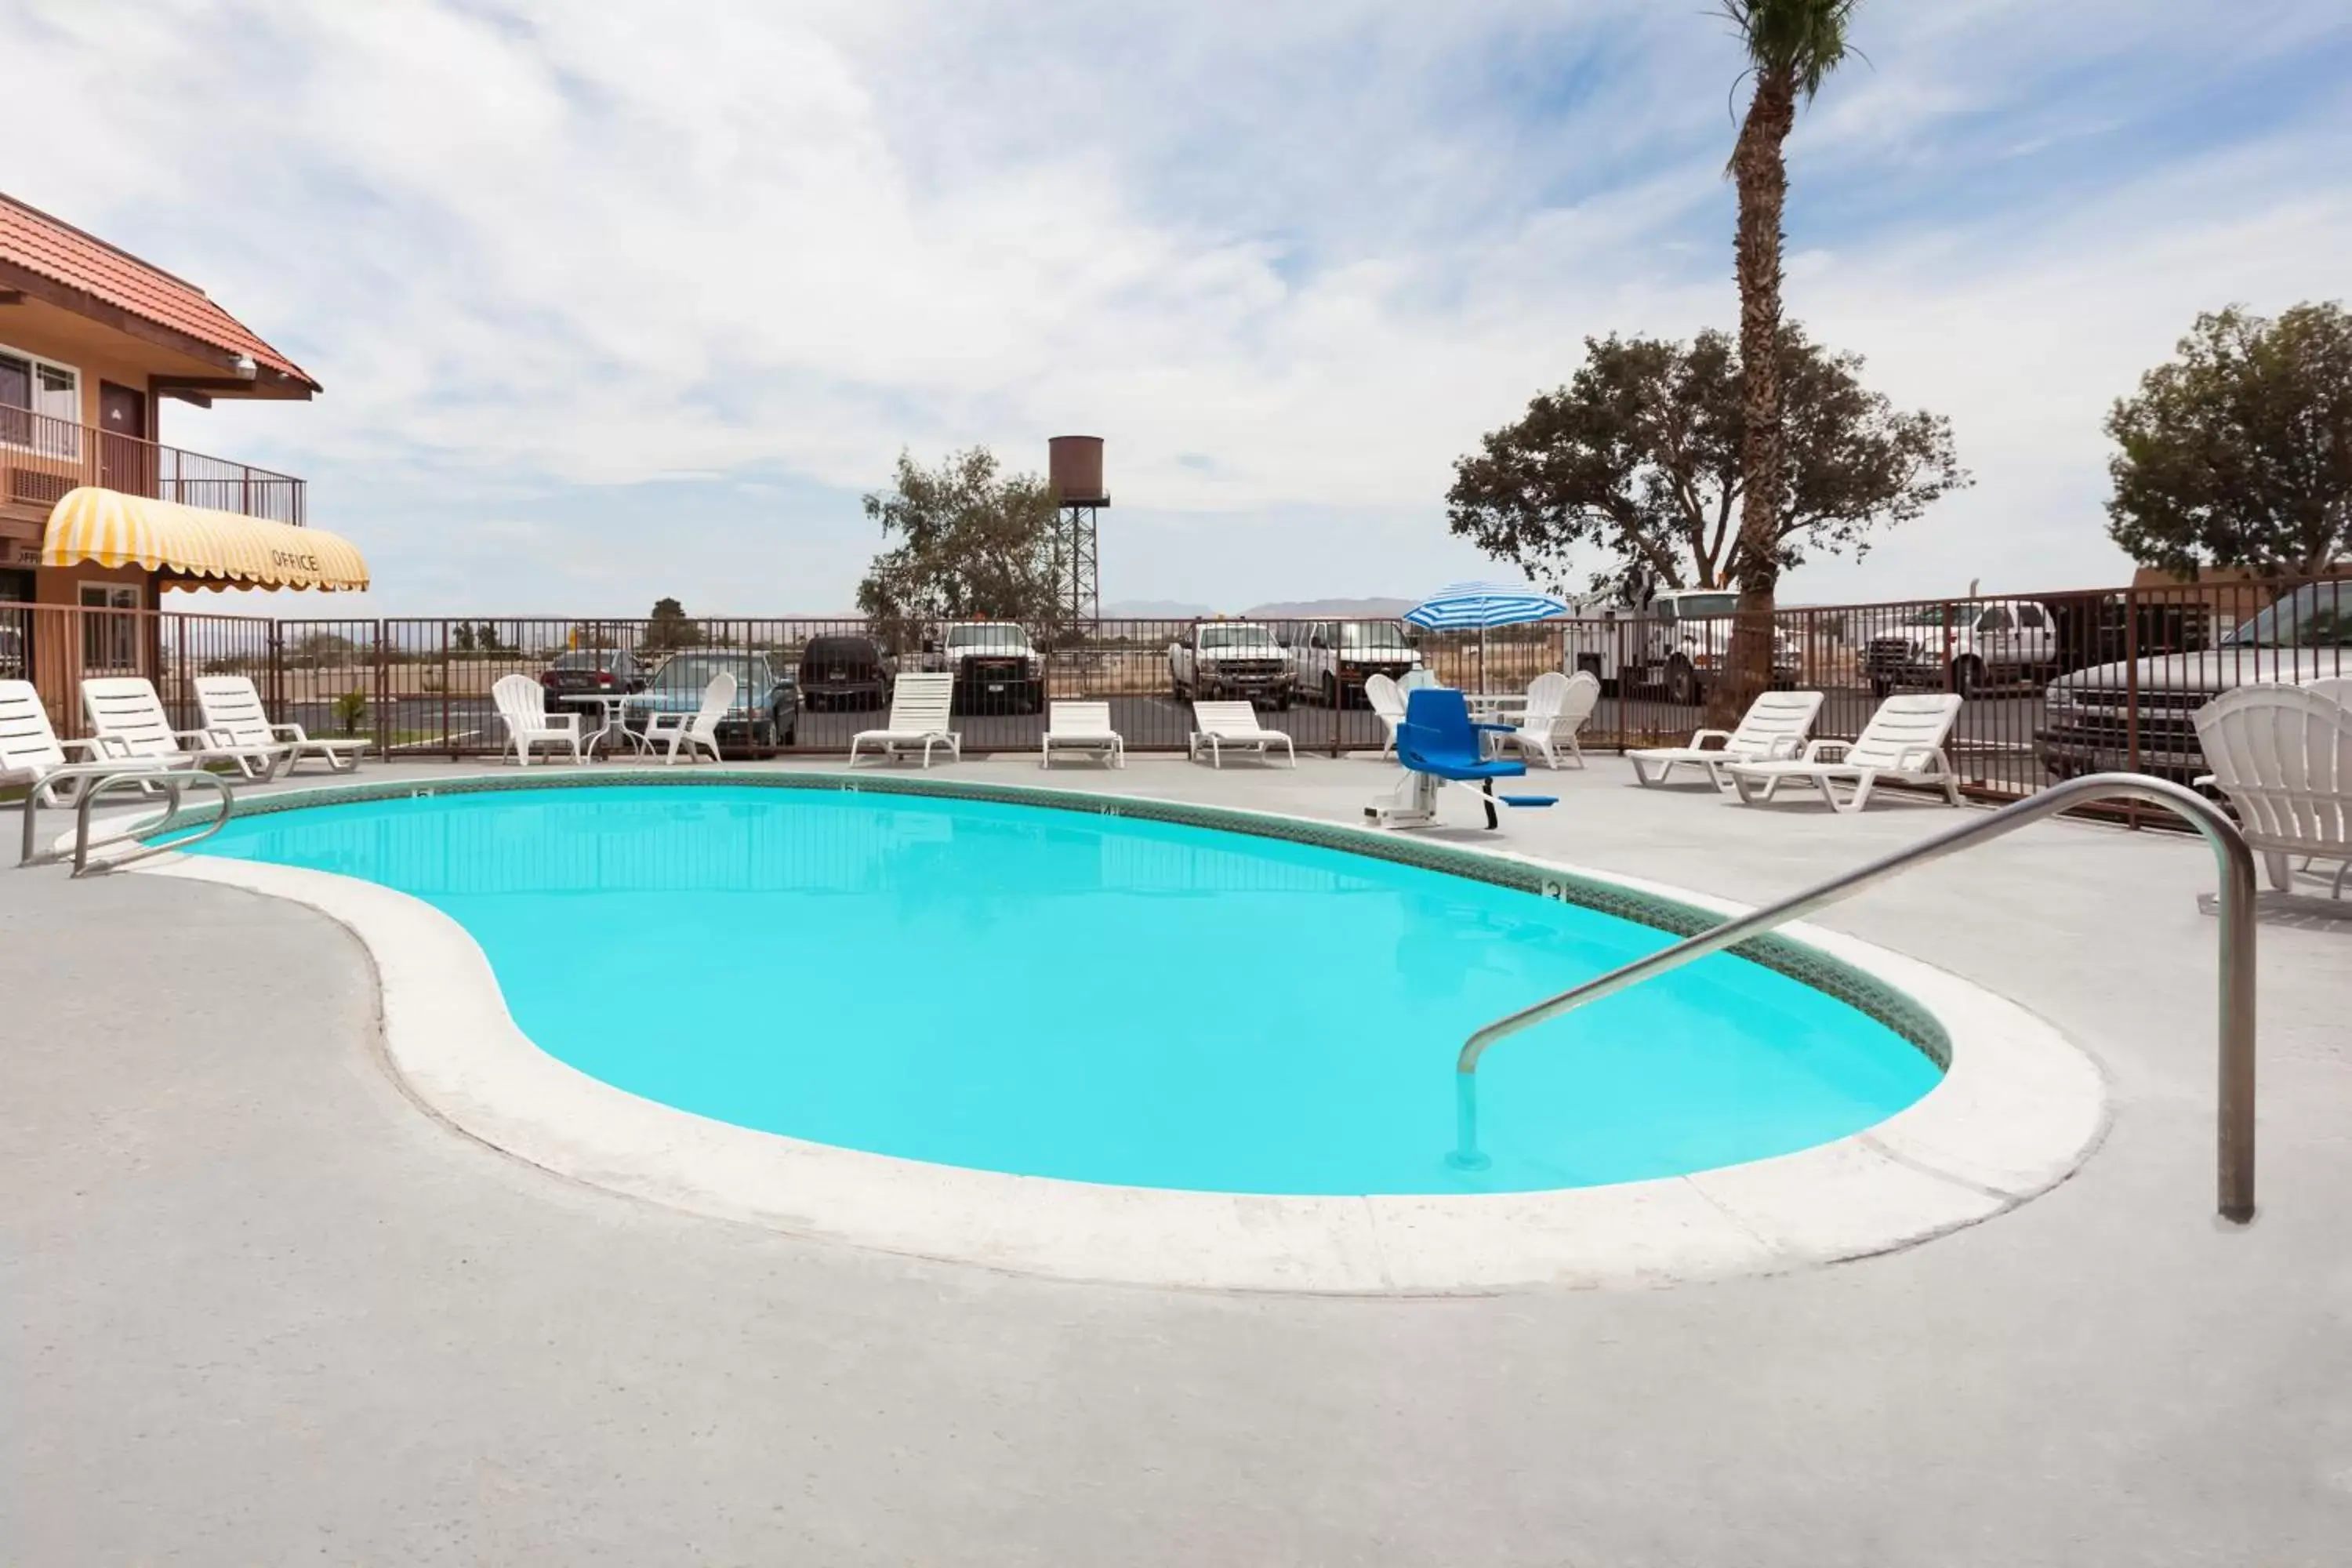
(919, 719)
(128, 721)
(2334, 687)
(698, 730)
(1219, 725)
(522, 706)
(1084, 728)
(2283, 755)
(233, 714)
(32, 757)
(1904, 741)
(1558, 707)
(1387, 699)
(1773, 728)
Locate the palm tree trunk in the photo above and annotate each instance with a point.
(1761, 173)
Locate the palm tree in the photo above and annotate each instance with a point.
(1791, 45)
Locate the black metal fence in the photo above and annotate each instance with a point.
(2055, 684)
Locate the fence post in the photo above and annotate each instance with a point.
(2131, 694)
(383, 689)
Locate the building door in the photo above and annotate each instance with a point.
(126, 458)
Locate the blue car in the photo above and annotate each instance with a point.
(767, 709)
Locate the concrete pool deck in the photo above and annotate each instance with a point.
(262, 1306)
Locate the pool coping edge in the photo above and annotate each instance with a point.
(2017, 1110)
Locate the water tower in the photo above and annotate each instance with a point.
(1074, 467)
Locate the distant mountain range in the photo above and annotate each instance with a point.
(1281, 610)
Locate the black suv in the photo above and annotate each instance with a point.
(594, 670)
(846, 670)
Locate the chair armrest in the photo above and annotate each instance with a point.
(94, 746)
(561, 722)
(1497, 729)
(1819, 751)
(1785, 747)
(1914, 759)
(210, 740)
(1699, 739)
(2202, 780)
(294, 732)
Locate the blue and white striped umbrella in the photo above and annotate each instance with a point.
(1474, 607)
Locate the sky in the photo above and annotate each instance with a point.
(620, 299)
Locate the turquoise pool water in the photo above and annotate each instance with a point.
(1104, 999)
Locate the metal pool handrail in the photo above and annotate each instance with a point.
(174, 780)
(2236, 905)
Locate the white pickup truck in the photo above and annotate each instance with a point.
(1229, 659)
(1987, 642)
(1676, 643)
(1329, 660)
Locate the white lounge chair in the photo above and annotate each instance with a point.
(1904, 741)
(1084, 728)
(128, 721)
(522, 706)
(32, 757)
(698, 730)
(2334, 687)
(1218, 725)
(919, 719)
(1558, 707)
(1773, 729)
(2283, 755)
(232, 716)
(1387, 700)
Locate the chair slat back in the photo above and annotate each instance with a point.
(1226, 719)
(2283, 756)
(521, 701)
(717, 697)
(1386, 697)
(919, 703)
(27, 743)
(1775, 720)
(1079, 719)
(1545, 692)
(230, 705)
(124, 710)
(1906, 725)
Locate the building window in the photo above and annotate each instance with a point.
(40, 405)
(110, 629)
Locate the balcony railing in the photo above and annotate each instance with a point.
(45, 457)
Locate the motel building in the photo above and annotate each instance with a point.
(98, 513)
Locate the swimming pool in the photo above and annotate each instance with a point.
(1096, 997)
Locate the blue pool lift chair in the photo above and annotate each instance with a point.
(1439, 745)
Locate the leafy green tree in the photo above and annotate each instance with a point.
(2238, 452)
(1791, 48)
(668, 627)
(964, 544)
(461, 636)
(1642, 457)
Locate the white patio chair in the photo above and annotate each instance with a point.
(127, 720)
(1387, 699)
(1904, 741)
(1558, 707)
(1773, 728)
(522, 706)
(698, 730)
(233, 714)
(32, 757)
(2283, 755)
(2334, 687)
(1084, 728)
(918, 718)
(1219, 725)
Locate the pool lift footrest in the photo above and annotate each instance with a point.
(1414, 802)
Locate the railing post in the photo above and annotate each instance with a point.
(2131, 696)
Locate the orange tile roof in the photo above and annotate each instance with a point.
(32, 239)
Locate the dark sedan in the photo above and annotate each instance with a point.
(846, 671)
(588, 669)
(767, 705)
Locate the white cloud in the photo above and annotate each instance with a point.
(550, 258)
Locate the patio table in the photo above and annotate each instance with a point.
(611, 718)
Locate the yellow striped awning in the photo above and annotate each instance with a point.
(196, 546)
